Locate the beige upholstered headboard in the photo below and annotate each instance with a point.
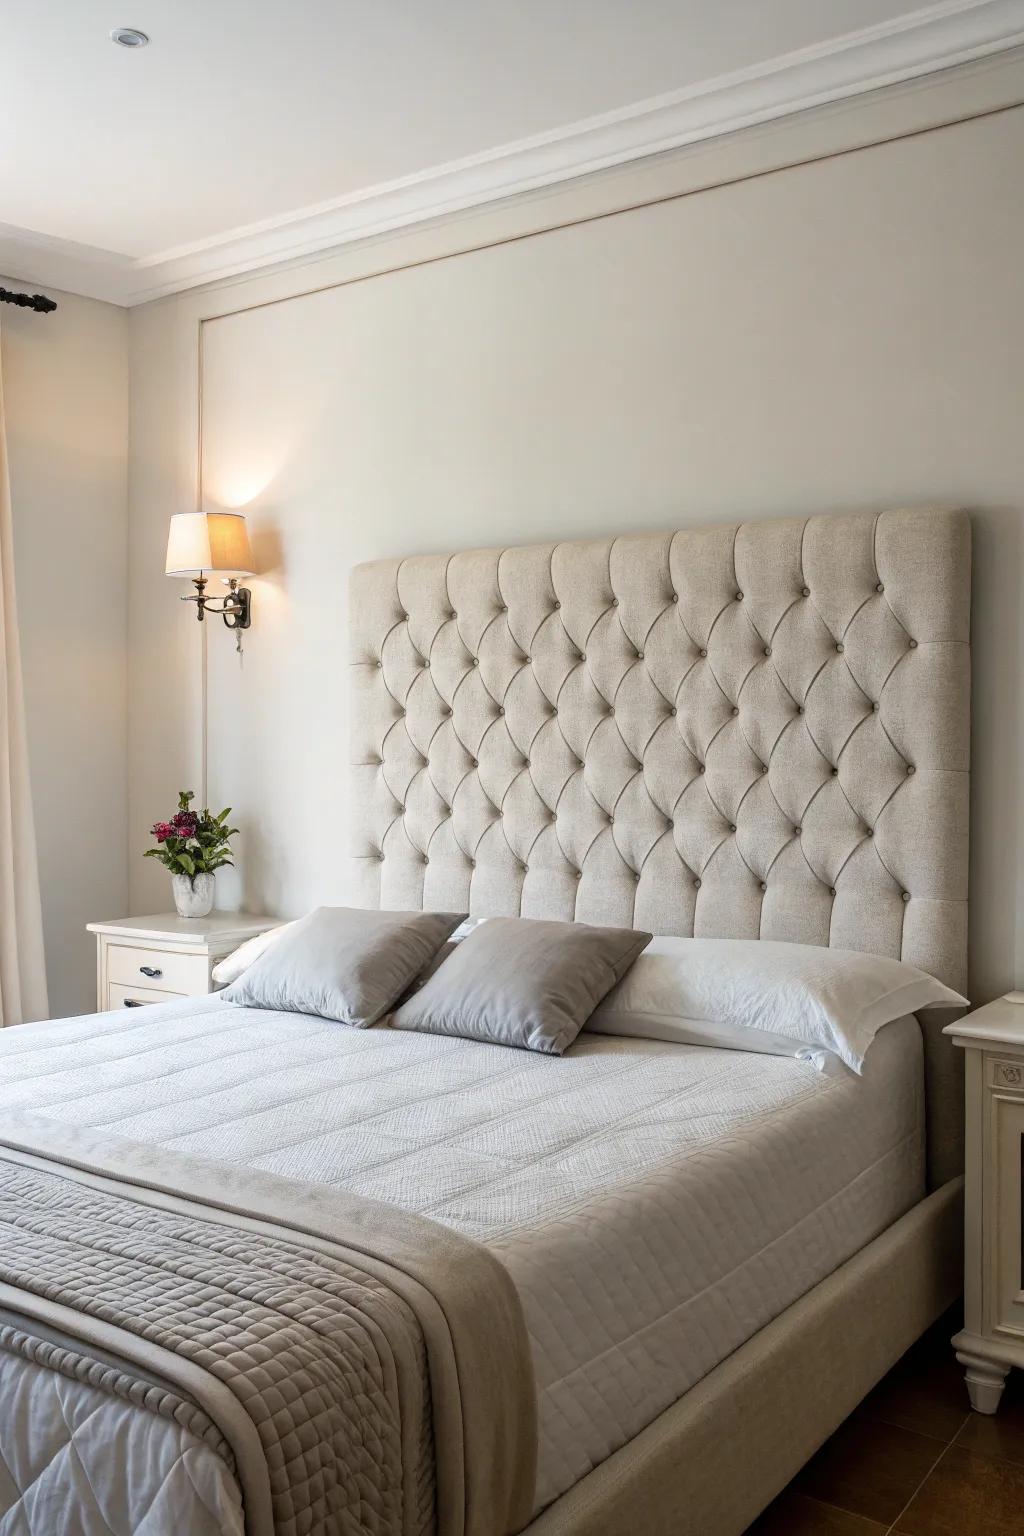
(758, 731)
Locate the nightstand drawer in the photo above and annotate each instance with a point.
(992, 1338)
(137, 997)
(152, 959)
(1007, 1074)
(157, 969)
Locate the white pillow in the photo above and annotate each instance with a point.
(755, 994)
(231, 967)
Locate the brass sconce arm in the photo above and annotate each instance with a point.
(235, 609)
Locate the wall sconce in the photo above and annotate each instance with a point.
(202, 543)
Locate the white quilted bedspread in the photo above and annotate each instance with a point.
(69, 1440)
(655, 1204)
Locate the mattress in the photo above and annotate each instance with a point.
(655, 1204)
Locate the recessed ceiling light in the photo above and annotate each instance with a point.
(129, 37)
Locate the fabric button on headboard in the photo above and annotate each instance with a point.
(758, 732)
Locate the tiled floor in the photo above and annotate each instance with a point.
(913, 1460)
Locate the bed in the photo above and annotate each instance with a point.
(468, 1289)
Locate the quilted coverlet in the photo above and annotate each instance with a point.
(356, 1369)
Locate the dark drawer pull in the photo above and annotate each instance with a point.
(133, 1002)
(150, 970)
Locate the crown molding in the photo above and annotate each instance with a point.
(935, 38)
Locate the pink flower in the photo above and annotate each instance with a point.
(162, 830)
(185, 823)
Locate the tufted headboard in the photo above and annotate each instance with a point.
(758, 731)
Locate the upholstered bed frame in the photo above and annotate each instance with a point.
(758, 731)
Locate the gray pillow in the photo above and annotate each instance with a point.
(343, 963)
(518, 981)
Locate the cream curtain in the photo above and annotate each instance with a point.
(22, 969)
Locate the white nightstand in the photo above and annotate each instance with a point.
(152, 959)
(993, 1337)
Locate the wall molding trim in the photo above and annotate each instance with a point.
(935, 38)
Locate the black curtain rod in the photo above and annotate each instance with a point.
(37, 301)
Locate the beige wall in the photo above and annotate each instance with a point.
(840, 334)
(66, 388)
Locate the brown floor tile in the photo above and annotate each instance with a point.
(869, 1468)
(794, 1514)
(869, 1476)
(968, 1495)
(925, 1392)
(1002, 1433)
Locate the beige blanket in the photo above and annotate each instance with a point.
(368, 1369)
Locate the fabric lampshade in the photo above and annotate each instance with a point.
(208, 541)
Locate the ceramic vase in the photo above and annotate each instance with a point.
(193, 898)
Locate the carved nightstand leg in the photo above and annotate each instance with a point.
(985, 1381)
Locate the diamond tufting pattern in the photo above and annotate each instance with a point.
(758, 731)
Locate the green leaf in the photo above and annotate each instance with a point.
(187, 863)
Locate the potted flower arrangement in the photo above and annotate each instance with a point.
(193, 845)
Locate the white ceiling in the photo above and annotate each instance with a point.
(249, 130)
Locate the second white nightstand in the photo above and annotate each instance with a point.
(153, 959)
(993, 1336)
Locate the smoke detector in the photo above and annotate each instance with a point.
(129, 37)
